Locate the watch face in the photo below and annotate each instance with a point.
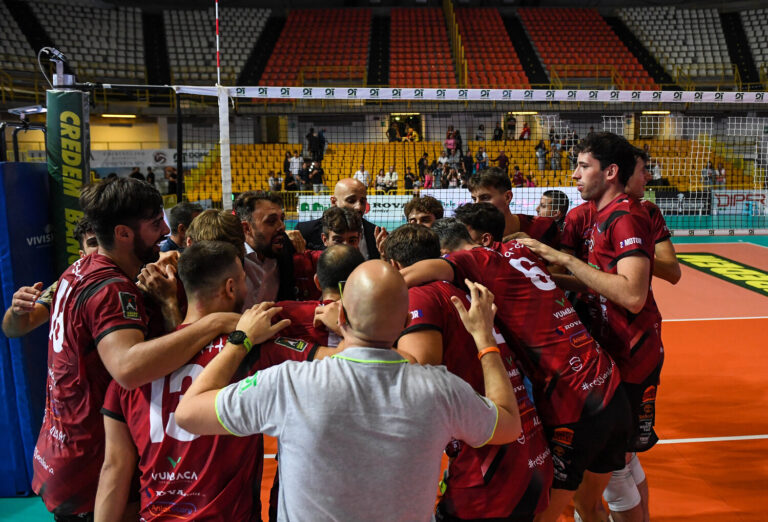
(237, 337)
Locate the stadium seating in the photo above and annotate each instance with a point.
(191, 40)
(15, 52)
(755, 23)
(420, 52)
(101, 43)
(491, 58)
(322, 46)
(580, 43)
(689, 39)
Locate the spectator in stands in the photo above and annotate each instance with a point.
(410, 180)
(287, 163)
(720, 176)
(498, 133)
(150, 176)
(423, 164)
(525, 134)
(322, 143)
(313, 144)
(449, 143)
(390, 180)
(411, 136)
(573, 157)
(453, 179)
(304, 176)
(480, 134)
(438, 174)
(393, 133)
(518, 180)
(541, 155)
(429, 179)
(423, 210)
(468, 163)
(708, 174)
(511, 125)
(459, 141)
(591, 131)
(316, 176)
(291, 183)
(554, 160)
(453, 160)
(179, 219)
(529, 181)
(275, 182)
(380, 181)
(554, 204)
(136, 174)
(172, 177)
(502, 160)
(295, 163)
(362, 176)
(482, 159)
(656, 171)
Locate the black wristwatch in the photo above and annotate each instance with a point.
(239, 337)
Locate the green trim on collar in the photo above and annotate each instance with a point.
(369, 361)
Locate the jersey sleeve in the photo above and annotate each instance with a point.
(425, 313)
(659, 227)
(630, 236)
(464, 267)
(113, 306)
(280, 349)
(112, 405)
(474, 417)
(252, 405)
(573, 229)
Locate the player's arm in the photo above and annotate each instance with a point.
(196, 412)
(627, 288)
(25, 313)
(478, 321)
(665, 264)
(427, 270)
(422, 346)
(117, 472)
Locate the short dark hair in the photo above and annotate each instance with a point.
(182, 214)
(82, 228)
(641, 154)
(559, 200)
(482, 217)
(608, 149)
(492, 177)
(246, 203)
(411, 243)
(335, 265)
(118, 201)
(205, 265)
(341, 220)
(425, 204)
(452, 233)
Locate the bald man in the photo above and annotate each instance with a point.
(348, 193)
(362, 432)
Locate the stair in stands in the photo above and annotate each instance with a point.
(156, 55)
(378, 57)
(646, 59)
(261, 51)
(29, 24)
(530, 62)
(739, 51)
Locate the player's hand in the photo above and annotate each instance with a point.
(328, 316)
(159, 282)
(256, 322)
(168, 258)
(24, 299)
(299, 243)
(549, 254)
(478, 320)
(516, 235)
(380, 233)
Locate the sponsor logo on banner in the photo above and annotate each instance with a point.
(745, 276)
(747, 202)
(381, 209)
(143, 158)
(524, 201)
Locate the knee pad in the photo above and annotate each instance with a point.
(621, 493)
(636, 469)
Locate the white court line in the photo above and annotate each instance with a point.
(713, 319)
(712, 439)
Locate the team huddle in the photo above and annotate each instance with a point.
(526, 348)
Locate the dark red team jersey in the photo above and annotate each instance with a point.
(486, 482)
(542, 229)
(304, 270)
(658, 223)
(577, 230)
(571, 375)
(93, 299)
(621, 229)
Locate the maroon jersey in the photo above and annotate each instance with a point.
(302, 316)
(484, 482)
(571, 375)
(542, 229)
(621, 229)
(304, 270)
(577, 230)
(94, 298)
(659, 227)
(185, 475)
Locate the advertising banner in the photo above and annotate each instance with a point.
(384, 211)
(524, 200)
(741, 202)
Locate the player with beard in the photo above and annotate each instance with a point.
(268, 252)
(185, 475)
(493, 186)
(508, 482)
(341, 226)
(97, 332)
(575, 383)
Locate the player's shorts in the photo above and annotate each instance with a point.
(642, 401)
(595, 443)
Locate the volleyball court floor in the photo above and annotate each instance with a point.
(712, 407)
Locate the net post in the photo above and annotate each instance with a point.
(179, 150)
(226, 161)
